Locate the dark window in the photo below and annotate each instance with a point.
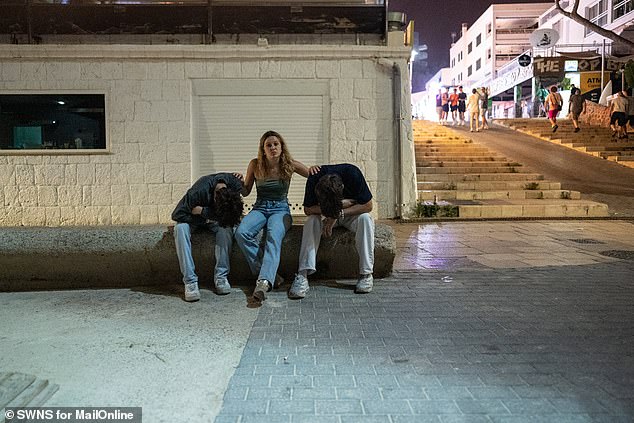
(478, 64)
(470, 48)
(469, 71)
(52, 121)
(622, 7)
(478, 40)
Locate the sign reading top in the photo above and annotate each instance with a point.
(556, 66)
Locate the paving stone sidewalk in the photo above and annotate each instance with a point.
(548, 344)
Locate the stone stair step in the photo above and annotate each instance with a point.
(609, 148)
(465, 163)
(470, 170)
(532, 208)
(592, 140)
(455, 151)
(484, 155)
(498, 195)
(459, 178)
(490, 185)
(475, 177)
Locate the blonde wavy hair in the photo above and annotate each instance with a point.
(286, 161)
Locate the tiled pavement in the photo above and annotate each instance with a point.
(484, 341)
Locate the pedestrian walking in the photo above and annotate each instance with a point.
(554, 104)
(618, 116)
(484, 107)
(473, 107)
(453, 106)
(576, 107)
(462, 105)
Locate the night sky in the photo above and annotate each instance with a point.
(435, 20)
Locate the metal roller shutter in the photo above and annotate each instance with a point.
(227, 129)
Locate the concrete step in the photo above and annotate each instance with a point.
(611, 147)
(450, 158)
(498, 195)
(465, 163)
(444, 142)
(490, 185)
(510, 169)
(532, 208)
(467, 180)
(453, 150)
(471, 153)
(476, 177)
(591, 140)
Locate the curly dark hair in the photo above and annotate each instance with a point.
(229, 206)
(329, 192)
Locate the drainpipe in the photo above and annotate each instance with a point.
(602, 68)
(398, 131)
(210, 30)
(29, 22)
(398, 135)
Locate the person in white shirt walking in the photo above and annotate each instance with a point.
(473, 107)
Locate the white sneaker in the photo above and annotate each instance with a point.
(300, 287)
(222, 286)
(364, 284)
(262, 286)
(191, 292)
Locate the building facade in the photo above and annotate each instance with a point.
(499, 35)
(163, 115)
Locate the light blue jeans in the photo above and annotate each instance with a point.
(363, 227)
(222, 250)
(276, 216)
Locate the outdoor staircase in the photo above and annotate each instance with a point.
(594, 140)
(459, 178)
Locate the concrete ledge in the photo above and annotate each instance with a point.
(126, 256)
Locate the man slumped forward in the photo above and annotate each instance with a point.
(336, 196)
(213, 202)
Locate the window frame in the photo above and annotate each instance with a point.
(600, 18)
(624, 4)
(64, 151)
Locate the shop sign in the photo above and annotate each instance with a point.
(556, 66)
(511, 79)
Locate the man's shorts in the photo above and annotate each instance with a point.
(575, 115)
(620, 118)
(454, 108)
(462, 107)
(445, 107)
(552, 113)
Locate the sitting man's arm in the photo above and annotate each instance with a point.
(312, 210)
(354, 209)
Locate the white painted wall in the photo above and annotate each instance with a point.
(147, 166)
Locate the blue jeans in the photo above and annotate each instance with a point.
(276, 216)
(222, 250)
